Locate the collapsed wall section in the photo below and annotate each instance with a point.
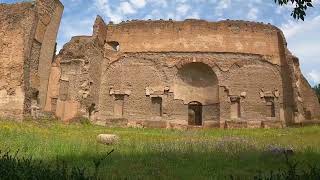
(74, 83)
(308, 107)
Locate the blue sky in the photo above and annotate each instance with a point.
(303, 37)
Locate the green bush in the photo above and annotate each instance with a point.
(12, 167)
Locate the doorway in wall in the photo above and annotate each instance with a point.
(195, 113)
(270, 110)
(118, 105)
(235, 108)
(156, 106)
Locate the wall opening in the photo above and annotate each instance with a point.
(91, 110)
(271, 111)
(235, 109)
(195, 113)
(35, 103)
(308, 114)
(118, 105)
(35, 97)
(113, 45)
(156, 106)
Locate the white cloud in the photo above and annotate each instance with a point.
(293, 27)
(303, 41)
(222, 5)
(194, 15)
(138, 3)
(183, 9)
(161, 3)
(126, 8)
(115, 15)
(253, 14)
(314, 76)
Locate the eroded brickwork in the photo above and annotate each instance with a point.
(167, 74)
(24, 28)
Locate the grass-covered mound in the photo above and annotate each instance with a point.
(56, 148)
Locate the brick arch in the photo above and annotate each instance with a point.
(196, 81)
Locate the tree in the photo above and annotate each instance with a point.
(301, 6)
(317, 89)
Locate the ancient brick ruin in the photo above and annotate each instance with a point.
(167, 74)
(28, 34)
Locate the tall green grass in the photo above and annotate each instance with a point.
(159, 153)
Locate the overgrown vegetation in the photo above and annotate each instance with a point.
(12, 167)
(71, 152)
(317, 90)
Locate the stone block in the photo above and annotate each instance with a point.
(120, 122)
(272, 124)
(253, 124)
(108, 139)
(178, 125)
(193, 127)
(309, 122)
(211, 124)
(155, 124)
(236, 124)
(100, 123)
(67, 110)
(135, 124)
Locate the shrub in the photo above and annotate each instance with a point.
(12, 167)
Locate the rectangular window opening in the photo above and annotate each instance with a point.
(118, 105)
(156, 103)
(235, 109)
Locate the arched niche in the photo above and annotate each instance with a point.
(196, 81)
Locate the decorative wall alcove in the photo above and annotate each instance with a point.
(196, 81)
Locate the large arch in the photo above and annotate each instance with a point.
(196, 81)
(196, 84)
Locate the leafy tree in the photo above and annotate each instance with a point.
(301, 6)
(317, 89)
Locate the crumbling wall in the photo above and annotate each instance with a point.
(75, 79)
(254, 83)
(50, 13)
(308, 105)
(133, 78)
(23, 44)
(16, 28)
(164, 73)
(139, 77)
(197, 36)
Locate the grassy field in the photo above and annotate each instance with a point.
(159, 153)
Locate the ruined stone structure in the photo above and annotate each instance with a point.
(166, 74)
(27, 44)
